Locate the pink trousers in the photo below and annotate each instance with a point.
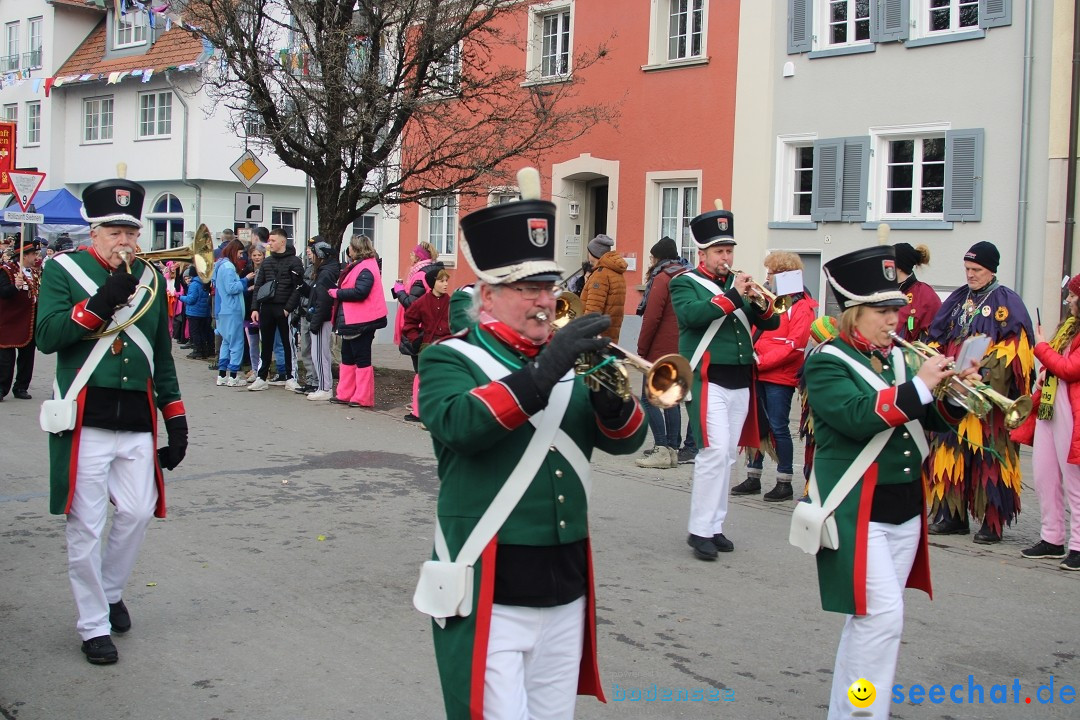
(1055, 478)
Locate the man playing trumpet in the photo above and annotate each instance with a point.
(716, 318)
(111, 451)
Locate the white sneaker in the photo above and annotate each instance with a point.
(236, 382)
(320, 395)
(291, 384)
(259, 384)
(221, 381)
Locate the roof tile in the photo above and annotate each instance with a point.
(173, 48)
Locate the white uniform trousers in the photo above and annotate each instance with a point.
(533, 659)
(870, 644)
(727, 410)
(118, 466)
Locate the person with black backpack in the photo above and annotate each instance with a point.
(277, 293)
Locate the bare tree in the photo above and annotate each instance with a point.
(387, 101)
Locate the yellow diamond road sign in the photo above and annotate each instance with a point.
(248, 169)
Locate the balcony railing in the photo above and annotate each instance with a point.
(27, 61)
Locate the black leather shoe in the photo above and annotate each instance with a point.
(703, 547)
(338, 401)
(986, 536)
(100, 650)
(119, 617)
(949, 526)
(22, 394)
(749, 486)
(722, 543)
(780, 493)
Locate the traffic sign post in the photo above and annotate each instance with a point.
(25, 184)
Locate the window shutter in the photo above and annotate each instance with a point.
(828, 175)
(963, 174)
(890, 20)
(995, 13)
(800, 26)
(856, 176)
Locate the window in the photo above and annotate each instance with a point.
(678, 205)
(677, 32)
(847, 22)
(793, 198)
(549, 51)
(166, 221)
(130, 28)
(33, 123)
(35, 43)
(684, 29)
(918, 174)
(445, 76)
(952, 15)
(503, 195)
(284, 218)
(365, 225)
(97, 119)
(442, 223)
(11, 112)
(155, 114)
(10, 61)
(254, 125)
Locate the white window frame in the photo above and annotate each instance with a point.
(95, 112)
(11, 112)
(277, 219)
(444, 78)
(33, 122)
(823, 30)
(534, 53)
(130, 29)
(11, 47)
(787, 147)
(35, 27)
(660, 35)
(655, 184)
(502, 194)
(880, 137)
(439, 223)
(921, 25)
(170, 217)
(156, 131)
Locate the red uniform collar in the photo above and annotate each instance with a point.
(860, 343)
(510, 337)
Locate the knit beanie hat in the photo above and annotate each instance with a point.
(600, 245)
(1074, 284)
(907, 257)
(824, 328)
(665, 249)
(985, 254)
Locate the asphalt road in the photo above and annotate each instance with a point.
(279, 588)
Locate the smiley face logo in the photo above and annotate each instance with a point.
(862, 693)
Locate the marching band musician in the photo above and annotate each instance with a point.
(527, 645)
(963, 474)
(19, 281)
(715, 319)
(923, 302)
(111, 454)
(859, 396)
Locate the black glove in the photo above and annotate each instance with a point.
(607, 404)
(171, 455)
(579, 336)
(118, 287)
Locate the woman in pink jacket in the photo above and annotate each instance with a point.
(1055, 435)
(780, 357)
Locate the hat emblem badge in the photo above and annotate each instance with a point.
(888, 268)
(123, 198)
(538, 231)
(722, 223)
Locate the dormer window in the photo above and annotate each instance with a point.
(130, 29)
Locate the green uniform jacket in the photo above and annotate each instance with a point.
(480, 430)
(847, 414)
(63, 322)
(696, 308)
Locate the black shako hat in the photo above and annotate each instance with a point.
(511, 242)
(716, 227)
(113, 202)
(866, 277)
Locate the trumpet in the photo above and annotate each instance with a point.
(200, 253)
(763, 298)
(979, 398)
(667, 381)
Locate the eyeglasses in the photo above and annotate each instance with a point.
(532, 292)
